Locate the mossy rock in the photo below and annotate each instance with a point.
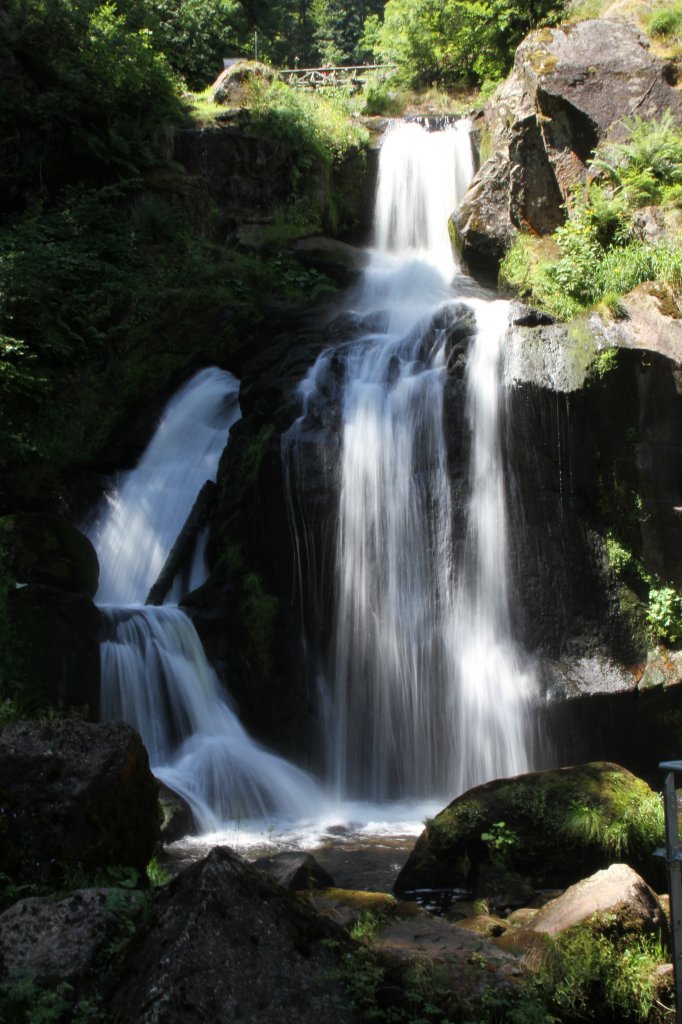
(552, 827)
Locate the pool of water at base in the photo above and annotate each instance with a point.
(361, 846)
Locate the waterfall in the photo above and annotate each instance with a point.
(421, 685)
(155, 674)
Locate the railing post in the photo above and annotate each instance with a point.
(673, 857)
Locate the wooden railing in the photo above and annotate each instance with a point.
(322, 78)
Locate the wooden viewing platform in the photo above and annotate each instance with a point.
(320, 78)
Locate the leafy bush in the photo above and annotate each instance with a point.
(319, 128)
(664, 613)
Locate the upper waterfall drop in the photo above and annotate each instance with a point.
(421, 686)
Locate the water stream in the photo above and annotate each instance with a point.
(423, 688)
(155, 674)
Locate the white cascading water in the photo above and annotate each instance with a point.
(422, 687)
(155, 674)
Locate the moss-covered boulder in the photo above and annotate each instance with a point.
(552, 827)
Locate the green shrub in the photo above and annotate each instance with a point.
(666, 23)
(586, 975)
(318, 128)
(664, 614)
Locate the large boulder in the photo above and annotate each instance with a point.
(231, 84)
(46, 549)
(569, 88)
(64, 940)
(225, 942)
(74, 796)
(633, 908)
(551, 827)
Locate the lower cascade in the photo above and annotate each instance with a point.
(155, 674)
(423, 688)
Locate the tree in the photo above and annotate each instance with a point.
(339, 28)
(448, 41)
(195, 35)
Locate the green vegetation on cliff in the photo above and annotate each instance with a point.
(603, 250)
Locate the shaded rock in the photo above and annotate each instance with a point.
(501, 889)
(74, 795)
(297, 871)
(632, 906)
(224, 942)
(56, 636)
(543, 815)
(45, 549)
(338, 260)
(569, 87)
(177, 820)
(481, 228)
(62, 941)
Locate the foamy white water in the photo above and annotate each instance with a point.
(423, 690)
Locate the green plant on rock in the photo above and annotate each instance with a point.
(259, 610)
(500, 840)
(664, 614)
(585, 974)
(594, 257)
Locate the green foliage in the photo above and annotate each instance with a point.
(384, 98)
(664, 614)
(637, 830)
(258, 610)
(455, 40)
(318, 127)
(23, 1002)
(586, 973)
(157, 874)
(593, 257)
(500, 840)
(85, 95)
(339, 29)
(666, 23)
(195, 35)
(647, 167)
